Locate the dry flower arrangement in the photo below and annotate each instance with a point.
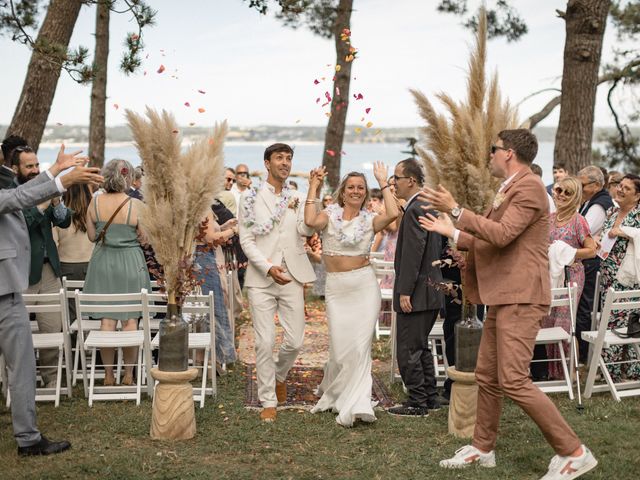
(179, 188)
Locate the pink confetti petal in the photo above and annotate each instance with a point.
(318, 100)
(202, 92)
(327, 96)
(161, 69)
(358, 96)
(367, 110)
(187, 104)
(116, 106)
(338, 91)
(331, 153)
(316, 82)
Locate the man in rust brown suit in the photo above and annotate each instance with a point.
(508, 270)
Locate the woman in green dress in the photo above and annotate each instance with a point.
(117, 264)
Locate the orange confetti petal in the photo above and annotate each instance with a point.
(358, 130)
(174, 131)
(338, 68)
(328, 114)
(201, 110)
(161, 69)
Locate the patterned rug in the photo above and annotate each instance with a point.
(301, 383)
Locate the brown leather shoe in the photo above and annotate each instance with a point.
(268, 414)
(281, 391)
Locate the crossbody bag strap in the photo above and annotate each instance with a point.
(101, 238)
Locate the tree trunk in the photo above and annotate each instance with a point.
(97, 130)
(585, 24)
(334, 135)
(39, 88)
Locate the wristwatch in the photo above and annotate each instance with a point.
(456, 212)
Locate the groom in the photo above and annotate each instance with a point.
(271, 222)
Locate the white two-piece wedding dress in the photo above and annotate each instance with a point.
(353, 305)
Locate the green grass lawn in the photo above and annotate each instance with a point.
(111, 440)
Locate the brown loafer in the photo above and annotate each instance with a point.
(268, 414)
(281, 391)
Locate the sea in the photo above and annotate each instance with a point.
(307, 155)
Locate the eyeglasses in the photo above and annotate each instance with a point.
(588, 183)
(496, 147)
(396, 178)
(563, 191)
(242, 174)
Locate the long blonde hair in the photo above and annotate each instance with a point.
(566, 211)
(343, 185)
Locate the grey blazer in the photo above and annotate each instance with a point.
(15, 249)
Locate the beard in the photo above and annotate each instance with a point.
(25, 178)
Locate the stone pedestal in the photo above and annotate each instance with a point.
(173, 414)
(463, 403)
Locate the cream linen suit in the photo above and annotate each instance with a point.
(283, 246)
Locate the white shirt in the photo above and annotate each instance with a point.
(595, 217)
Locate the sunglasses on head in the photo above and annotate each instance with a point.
(564, 191)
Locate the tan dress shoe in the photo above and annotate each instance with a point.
(281, 391)
(268, 414)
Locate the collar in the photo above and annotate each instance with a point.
(504, 185)
(410, 199)
(271, 188)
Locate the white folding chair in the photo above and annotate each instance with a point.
(95, 339)
(382, 269)
(440, 363)
(195, 305)
(561, 297)
(595, 314)
(603, 337)
(51, 303)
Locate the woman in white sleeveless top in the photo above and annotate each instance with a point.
(352, 291)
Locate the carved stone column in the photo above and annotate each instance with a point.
(463, 403)
(173, 414)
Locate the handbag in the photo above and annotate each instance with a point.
(633, 327)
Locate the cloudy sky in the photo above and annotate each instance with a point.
(254, 71)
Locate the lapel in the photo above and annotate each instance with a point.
(511, 183)
(267, 197)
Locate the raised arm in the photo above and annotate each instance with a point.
(390, 206)
(312, 217)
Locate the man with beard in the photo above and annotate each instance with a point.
(44, 275)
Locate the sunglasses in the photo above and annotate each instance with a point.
(395, 178)
(232, 180)
(242, 174)
(494, 148)
(564, 191)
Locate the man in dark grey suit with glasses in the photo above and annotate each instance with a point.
(15, 332)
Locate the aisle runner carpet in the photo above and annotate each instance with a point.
(301, 383)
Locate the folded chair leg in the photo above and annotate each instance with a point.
(139, 377)
(59, 379)
(565, 371)
(92, 376)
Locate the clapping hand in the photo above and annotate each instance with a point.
(316, 178)
(67, 160)
(440, 198)
(441, 224)
(380, 171)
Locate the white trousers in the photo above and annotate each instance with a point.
(288, 301)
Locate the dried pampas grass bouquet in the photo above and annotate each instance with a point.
(179, 188)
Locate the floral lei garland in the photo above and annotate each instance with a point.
(361, 225)
(248, 209)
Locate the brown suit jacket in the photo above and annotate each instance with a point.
(508, 258)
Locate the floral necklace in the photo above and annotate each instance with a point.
(249, 211)
(361, 224)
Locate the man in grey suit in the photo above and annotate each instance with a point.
(15, 333)
(415, 299)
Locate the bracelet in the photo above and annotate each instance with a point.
(309, 202)
(386, 186)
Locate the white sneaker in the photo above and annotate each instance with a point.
(468, 455)
(567, 468)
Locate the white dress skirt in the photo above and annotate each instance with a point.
(353, 305)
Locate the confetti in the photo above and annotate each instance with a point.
(116, 106)
(144, 74)
(298, 121)
(327, 96)
(358, 96)
(338, 91)
(328, 114)
(174, 131)
(59, 124)
(369, 124)
(191, 124)
(318, 100)
(362, 119)
(343, 153)
(211, 142)
(338, 68)
(146, 57)
(316, 82)
(202, 92)
(331, 153)
(187, 104)
(161, 69)
(367, 110)
(323, 78)
(201, 110)
(358, 130)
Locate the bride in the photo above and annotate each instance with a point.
(352, 291)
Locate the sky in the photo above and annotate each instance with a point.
(255, 72)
